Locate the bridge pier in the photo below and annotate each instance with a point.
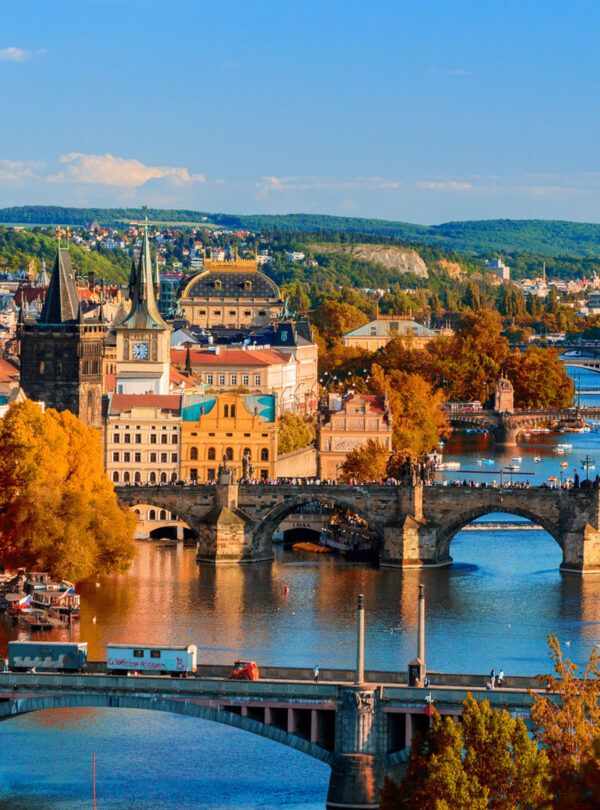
(505, 435)
(358, 767)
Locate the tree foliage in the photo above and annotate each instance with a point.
(486, 761)
(295, 432)
(366, 463)
(58, 510)
(418, 421)
(566, 720)
(334, 319)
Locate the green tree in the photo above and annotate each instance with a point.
(366, 463)
(58, 510)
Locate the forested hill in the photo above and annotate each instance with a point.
(535, 236)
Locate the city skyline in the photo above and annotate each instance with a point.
(418, 114)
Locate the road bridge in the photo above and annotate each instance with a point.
(506, 426)
(415, 524)
(361, 730)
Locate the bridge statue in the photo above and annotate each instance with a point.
(415, 524)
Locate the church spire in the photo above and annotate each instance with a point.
(144, 312)
(156, 279)
(61, 304)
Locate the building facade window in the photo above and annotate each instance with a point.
(164, 458)
(209, 379)
(229, 453)
(153, 438)
(152, 458)
(173, 458)
(137, 478)
(152, 478)
(127, 438)
(116, 438)
(245, 379)
(264, 454)
(194, 454)
(174, 438)
(164, 439)
(125, 477)
(116, 477)
(138, 438)
(221, 379)
(257, 379)
(137, 457)
(127, 458)
(115, 456)
(234, 379)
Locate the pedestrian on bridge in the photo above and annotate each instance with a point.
(316, 673)
(492, 678)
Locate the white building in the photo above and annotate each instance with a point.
(497, 267)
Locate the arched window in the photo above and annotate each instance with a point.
(125, 477)
(247, 452)
(174, 476)
(264, 454)
(194, 454)
(229, 453)
(154, 348)
(152, 515)
(163, 478)
(212, 454)
(233, 411)
(116, 477)
(163, 514)
(226, 411)
(152, 478)
(137, 478)
(137, 513)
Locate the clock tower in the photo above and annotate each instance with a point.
(143, 338)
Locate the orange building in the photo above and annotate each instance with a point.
(349, 423)
(230, 426)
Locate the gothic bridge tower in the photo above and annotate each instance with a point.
(61, 353)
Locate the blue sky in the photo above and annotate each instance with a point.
(420, 111)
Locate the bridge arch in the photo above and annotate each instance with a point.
(446, 534)
(182, 706)
(268, 523)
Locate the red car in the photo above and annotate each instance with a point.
(244, 671)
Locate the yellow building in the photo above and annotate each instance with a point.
(231, 293)
(231, 426)
(378, 333)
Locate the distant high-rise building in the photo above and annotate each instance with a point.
(61, 353)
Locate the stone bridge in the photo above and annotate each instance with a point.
(415, 525)
(505, 427)
(360, 730)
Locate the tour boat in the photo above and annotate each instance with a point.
(485, 460)
(513, 468)
(516, 460)
(449, 465)
(537, 459)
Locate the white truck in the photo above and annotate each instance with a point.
(140, 659)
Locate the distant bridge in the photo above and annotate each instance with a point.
(415, 524)
(361, 730)
(506, 426)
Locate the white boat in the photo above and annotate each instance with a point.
(516, 460)
(559, 450)
(513, 468)
(449, 465)
(485, 461)
(537, 459)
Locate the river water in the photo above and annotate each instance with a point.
(492, 608)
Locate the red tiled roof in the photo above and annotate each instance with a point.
(177, 378)
(230, 357)
(166, 402)
(376, 402)
(8, 372)
(110, 381)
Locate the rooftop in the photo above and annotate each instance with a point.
(389, 328)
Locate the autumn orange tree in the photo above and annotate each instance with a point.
(486, 761)
(58, 510)
(418, 421)
(366, 463)
(566, 720)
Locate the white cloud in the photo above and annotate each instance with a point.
(13, 54)
(269, 184)
(15, 171)
(115, 171)
(446, 185)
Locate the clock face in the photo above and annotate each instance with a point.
(140, 351)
